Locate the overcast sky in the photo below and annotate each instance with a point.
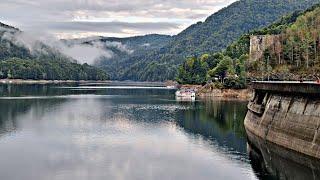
(121, 18)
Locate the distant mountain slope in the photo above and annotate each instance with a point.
(22, 57)
(215, 34)
(225, 26)
(121, 52)
(137, 47)
(5, 26)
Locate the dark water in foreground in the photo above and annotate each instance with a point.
(49, 132)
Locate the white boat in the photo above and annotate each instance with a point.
(171, 87)
(186, 94)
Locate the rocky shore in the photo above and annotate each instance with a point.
(208, 92)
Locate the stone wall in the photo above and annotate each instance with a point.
(258, 45)
(286, 119)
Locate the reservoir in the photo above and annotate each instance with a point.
(122, 132)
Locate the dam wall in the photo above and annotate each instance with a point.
(286, 114)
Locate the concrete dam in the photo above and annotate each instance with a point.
(286, 115)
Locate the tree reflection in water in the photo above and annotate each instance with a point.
(219, 122)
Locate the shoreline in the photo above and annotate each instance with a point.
(238, 94)
(87, 82)
(30, 81)
(224, 94)
(201, 91)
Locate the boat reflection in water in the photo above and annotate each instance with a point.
(185, 99)
(270, 161)
(185, 95)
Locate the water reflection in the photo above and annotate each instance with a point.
(11, 90)
(68, 133)
(219, 121)
(273, 162)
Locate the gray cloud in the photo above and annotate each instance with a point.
(106, 17)
(109, 26)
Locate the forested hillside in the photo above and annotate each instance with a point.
(213, 35)
(225, 26)
(297, 55)
(123, 51)
(292, 54)
(21, 59)
(145, 58)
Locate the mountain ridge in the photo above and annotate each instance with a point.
(214, 34)
(156, 57)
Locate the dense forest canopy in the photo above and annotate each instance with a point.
(41, 62)
(213, 35)
(296, 56)
(132, 49)
(158, 57)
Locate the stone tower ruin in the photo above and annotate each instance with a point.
(260, 43)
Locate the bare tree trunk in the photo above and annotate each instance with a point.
(307, 57)
(315, 51)
(279, 55)
(268, 61)
(298, 56)
(292, 54)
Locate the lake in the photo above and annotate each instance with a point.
(60, 132)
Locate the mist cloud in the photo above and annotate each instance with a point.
(86, 53)
(119, 46)
(78, 50)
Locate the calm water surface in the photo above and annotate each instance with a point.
(64, 133)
